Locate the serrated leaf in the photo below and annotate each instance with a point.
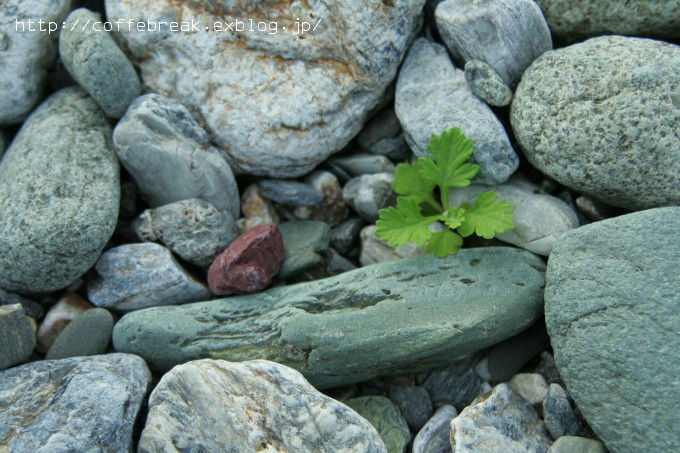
(453, 217)
(444, 243)
(405, 223)
(450, 150)
(408, 182)
(486, 218)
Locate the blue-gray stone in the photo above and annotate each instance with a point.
(486, 84)
(79, 405)
(433, 96)
(17, 337)
(293, 193)
(376, 320)
(571, 444)
(364, 164)
(303, 243)
(346, 234)
(59, 194)
(614, 284)
(558, 415)
(414, 402)
(434, 437)
(135, 276)
(601, 117)
(95, 61)
(32, 309)
(368, 194)
(382, 135)
(88, 334)
(385, 417)
(455, 384)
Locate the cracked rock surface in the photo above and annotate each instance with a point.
(612, 315)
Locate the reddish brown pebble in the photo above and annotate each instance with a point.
(249, 264)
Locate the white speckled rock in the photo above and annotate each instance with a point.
(26, 55)
(530, 386)
(486, 84)
(215, 405)
(433, 96)
(434, 436)
(540, 219)
(506, 34)
(499, 421)
(160, 133)
(375, 250)
(135, 276)
(277, 103)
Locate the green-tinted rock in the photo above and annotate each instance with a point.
(88, 334)
(574, 20)
(572, 444)
(303, 240)
(486, 84)
(386, 418)
(381, 319)
(612, 297)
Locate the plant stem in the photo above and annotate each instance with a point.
(444, 194)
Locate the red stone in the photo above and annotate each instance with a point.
(249, 264)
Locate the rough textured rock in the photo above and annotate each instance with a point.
(88, 334)
(530, 386)
(293, 193)
(570, 444)
(59, 194)
(17, 337)
(160, 133)
(385, 417)
(434, 437)
(601, 118)
(369, 322)
(606, 287)
(558, 415)
(332, 209)
(540, 219)
(575, 20)
(252, 406)
(80, 405)
(414, 402)
(250, 262)
(364, 164)
(95, 61)
(193, 229)
(486, 84)
(32, 309)
(433, 96)
(60, 314)
(506, 34)
(368, 194)
(135, 276)
(26, 55)
(301, 97)
(303, 241)
(499, 421)
(455, 384)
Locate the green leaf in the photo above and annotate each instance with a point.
(405, 223)
(450, 150)
(453, 217)
(407, 181)
(444, 243)
(486, 218)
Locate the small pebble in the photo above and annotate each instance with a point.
(303, 242)
(250, 262)
(364, 164)
(456, 384)
(557, 413)
(368, 194)
(293, 193)
(385, 416)
(414, 402)
(17, 337)
(57, 318)
(88, 334)
(571, 444)
(337, 264)
(32, 309)
(434, 436)
(596, 211)
(486, 84)
(346, 234)
(333, 209)
(530, 386)
(382, 135)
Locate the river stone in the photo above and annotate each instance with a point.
(364, 164)
(601, 118)
(278, 103)
(80, 405)
(506, 34)
(357, 325)
(32, 309)
(368, 194)
(88, 334)
(607, 287)
(499, 421)
(455, 384)
(332, 209)
(434, 437)
(571, 444)
(160, 133)
(575, 20)
(486, 84)
(17, 337)
(135, 276)
(58, 317)
(433, 96)
(303, 242)
(345, 235)
(59, 194)
(530, 386)
(26, 55)
(375, 250)
(95, 61)
(292, 193)
(193, 229)
(558, 415)
(385, 417)
(251, 406)
(382, 135)
(414, 402)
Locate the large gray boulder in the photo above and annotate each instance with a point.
(601, 117)
(277, 101)
(59, 194)
(372, 321)
(26, 53)
(612, 297)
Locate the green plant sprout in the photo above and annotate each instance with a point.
(418, 206)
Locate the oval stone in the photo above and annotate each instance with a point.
(59, 194)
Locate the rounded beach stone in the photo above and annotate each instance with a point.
(58, 317)
(434, 437)
(601, 117)
(293, 193)
(88, 334)
(59, 194)
(17, 337)
(486, 84)
(385, 416)
(94, 60)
